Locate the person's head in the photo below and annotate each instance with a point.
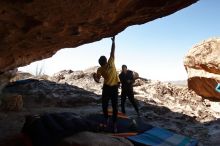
(102, 60)
(124, 68)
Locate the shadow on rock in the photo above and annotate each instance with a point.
(48, 93)
(43, 93)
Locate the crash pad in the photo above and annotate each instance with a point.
(161, 137)
(50, 128)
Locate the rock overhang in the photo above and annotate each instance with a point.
(32, 30)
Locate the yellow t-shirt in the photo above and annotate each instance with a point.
(109, 73)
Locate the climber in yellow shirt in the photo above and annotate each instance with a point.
(110, 87)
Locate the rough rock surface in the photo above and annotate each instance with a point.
(94, 139)
(22, 75)
(82, 79)
(5, 77)
(32, 30)
(38, 93)
(161, 104)
(202, 64)
(12, 103)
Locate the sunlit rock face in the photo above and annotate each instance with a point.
(203, 67)
(32, 30)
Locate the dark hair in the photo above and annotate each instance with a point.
(102, 60)
(124, 66)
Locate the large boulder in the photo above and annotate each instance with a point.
(82, 79)
(38, 93)
(32, 30)
(202, 64)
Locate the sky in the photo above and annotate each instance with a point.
(155, 50)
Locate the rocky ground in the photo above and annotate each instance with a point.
(164, 105)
